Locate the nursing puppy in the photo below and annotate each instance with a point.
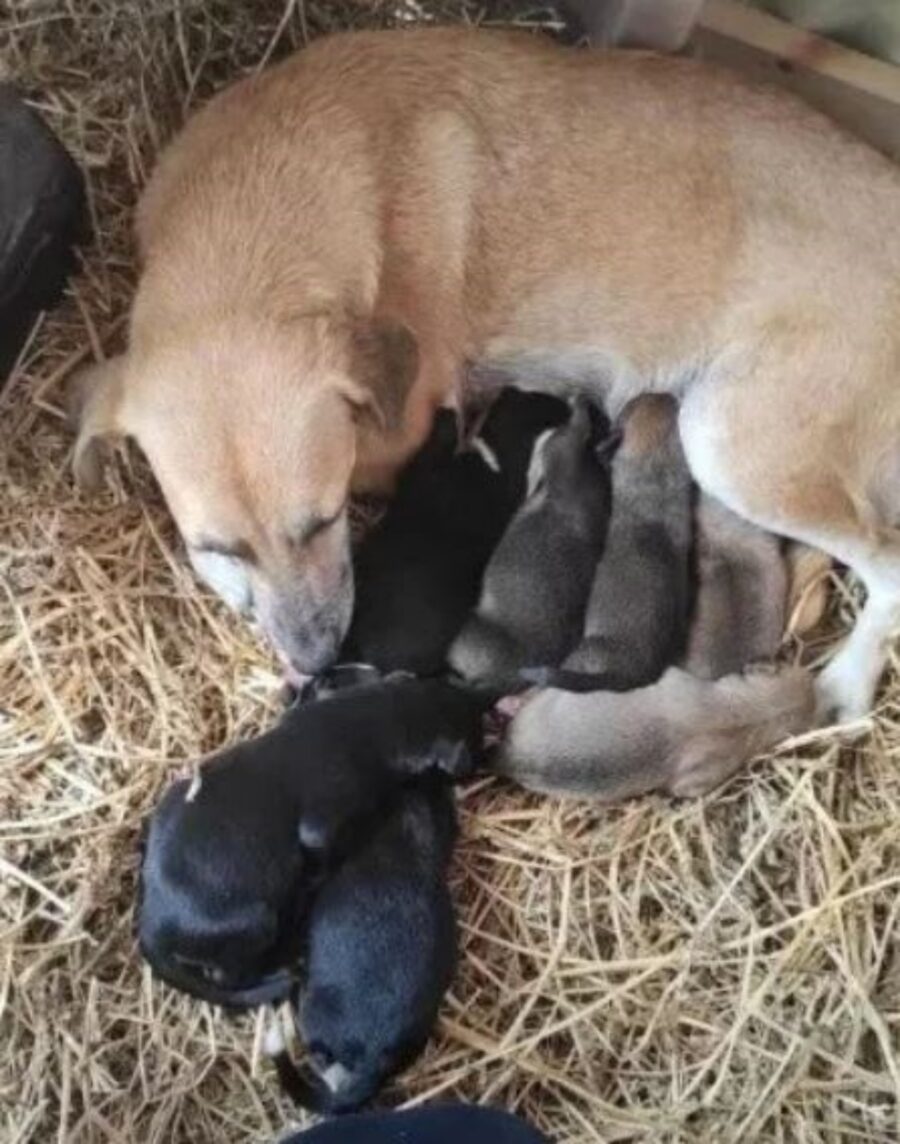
(741, 596)
(381, 953)
(418, 572)
(535, 588)
(233, 857)
(680, 735)
(639, 609)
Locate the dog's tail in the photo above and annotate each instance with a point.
(745, 715)
(304, 1088)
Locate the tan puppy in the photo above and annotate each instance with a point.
(739, 615)
(680, 735)
(328, 244)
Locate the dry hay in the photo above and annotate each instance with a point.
(719, 971)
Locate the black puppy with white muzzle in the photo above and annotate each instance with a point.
(418, 572)
(234, 857)
(381, 954)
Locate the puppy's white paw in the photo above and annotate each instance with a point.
(842, 694)
(273, 1039)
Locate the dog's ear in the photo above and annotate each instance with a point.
(95, 408)
(385, 365)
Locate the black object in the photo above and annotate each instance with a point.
(43, 217)
(439, 1124)
(380, 955)
(418, 572)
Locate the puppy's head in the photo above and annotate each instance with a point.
(253, 433)
(564, 458)
(352, 1059)
(224, 885)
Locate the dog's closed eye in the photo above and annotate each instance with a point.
(315, 524)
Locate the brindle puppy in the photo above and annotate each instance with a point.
(536, 586)
(639, 609)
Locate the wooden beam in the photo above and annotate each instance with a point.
(801, 48)
(856, 90)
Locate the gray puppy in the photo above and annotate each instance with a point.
(639, 609)
(680, 735)
(536, 585)
(742, 586)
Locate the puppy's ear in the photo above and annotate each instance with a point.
(95, 408)
(386, 362)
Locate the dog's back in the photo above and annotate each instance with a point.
(741, 593)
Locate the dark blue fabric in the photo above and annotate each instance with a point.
(438, 1124)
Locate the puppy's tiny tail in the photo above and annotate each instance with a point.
(304, 1089)
(565, 679)
(749, 714)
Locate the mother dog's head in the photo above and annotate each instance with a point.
(254, 432)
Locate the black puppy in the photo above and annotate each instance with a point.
(418, 572)
(381, 954)
(234, 857)
(536, 586)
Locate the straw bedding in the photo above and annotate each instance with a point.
(719, 971)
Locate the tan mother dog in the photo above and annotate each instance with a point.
(328, 245)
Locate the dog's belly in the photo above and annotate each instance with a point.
(569, 370)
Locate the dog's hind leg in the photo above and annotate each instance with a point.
(795, 456)
(846, 688)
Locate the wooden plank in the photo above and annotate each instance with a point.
(857, 91)
(801, 48)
